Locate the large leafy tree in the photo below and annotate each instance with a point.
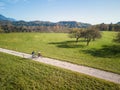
(76, 33)
(89, 34)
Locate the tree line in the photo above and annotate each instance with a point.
(107, 27)
(11, 28)
(7, 26)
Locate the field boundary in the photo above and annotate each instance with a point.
(109, 76)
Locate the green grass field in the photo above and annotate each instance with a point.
(23, 74)
(102, 53)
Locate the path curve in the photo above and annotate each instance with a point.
(77, 68)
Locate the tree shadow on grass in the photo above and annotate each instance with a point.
(105, 51)
(68, 44)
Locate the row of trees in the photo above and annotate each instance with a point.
(36, 26)
(107, 27)
(88, 34)
(11, 28)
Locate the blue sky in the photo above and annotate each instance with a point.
(88, 11)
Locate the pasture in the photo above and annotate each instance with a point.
(102, 53)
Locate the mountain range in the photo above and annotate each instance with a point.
(69, 24)
(5, 18)
(118, 23)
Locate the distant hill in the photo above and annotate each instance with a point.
(74, 24)
(68, 24)
(11, 25)
(33, 23)
(3, 18)
(118, 23)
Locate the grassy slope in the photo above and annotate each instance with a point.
(23, 74)
(60, 46)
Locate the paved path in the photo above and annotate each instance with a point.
(81, 69)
